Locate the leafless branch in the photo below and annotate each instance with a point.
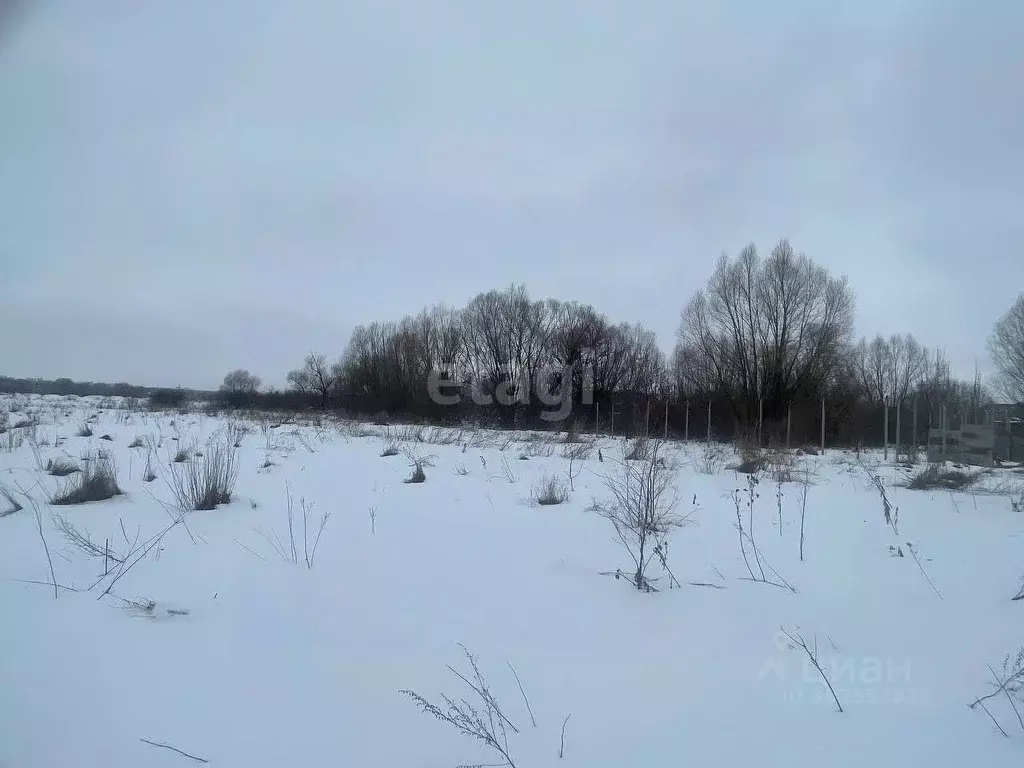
(45, 584)
(927, 578)
(42, 537)
(81, 540)
(309, 549)
(251, 552)
(1005, 687)
(1009, 684)
(528, 707)
(174, 749)
(812, 654)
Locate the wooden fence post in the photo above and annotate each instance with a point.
(885, 430)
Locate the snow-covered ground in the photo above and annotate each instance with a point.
(217, 646)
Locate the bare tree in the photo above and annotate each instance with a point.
(238, 387)
(889, 369)
(1006, 346)
(506, 341)
(767, 330)
(316, 377)
(578, 331)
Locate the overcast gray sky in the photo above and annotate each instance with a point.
(190, 186)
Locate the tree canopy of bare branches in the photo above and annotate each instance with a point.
(888, 370)
(1006, 346)
(316, 377)
(767, 330)
(238, 387)
(502, 345)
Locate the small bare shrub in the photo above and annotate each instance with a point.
(416, 457)
(779, 465)
(84, 431)
(289, 551)
(640, 450)
(406, 434)
(908, 455)
(136, 443)
(550, 491)
(11, 504)
(483, 721)
(61, 467)
(97, 481)
(203, 484)
(577, 451)
(938, 476)
(149, 475)
(441, 436)
(642, 510)
(752, 460)
(234, 431)
(180, 456)
(390, 450)
(506, 470)
(711, 458)
(418, 475)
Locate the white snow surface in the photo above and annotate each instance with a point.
(269, 663)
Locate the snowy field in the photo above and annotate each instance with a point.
(210, 640)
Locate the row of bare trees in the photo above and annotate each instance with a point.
(501, 339)
(762, 334)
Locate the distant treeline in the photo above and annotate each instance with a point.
(765, 350)
(65, 386)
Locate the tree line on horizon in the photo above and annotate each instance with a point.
(765, 342)
(763, 335)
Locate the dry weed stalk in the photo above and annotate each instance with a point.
(484, 721)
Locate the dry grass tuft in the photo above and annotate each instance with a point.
(97, 481)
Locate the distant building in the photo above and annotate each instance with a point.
(997, 439)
